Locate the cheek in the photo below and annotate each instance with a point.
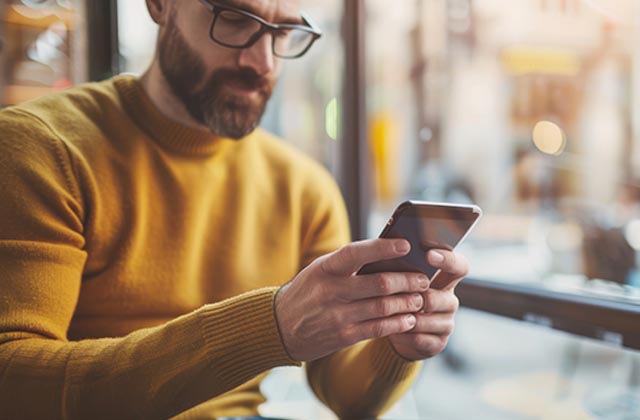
(216, 56)
(194, 25)
(213, 56)
(277, 67)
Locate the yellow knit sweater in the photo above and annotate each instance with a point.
(139, 260)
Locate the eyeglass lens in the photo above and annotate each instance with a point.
(237, 30)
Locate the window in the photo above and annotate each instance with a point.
(304, 109)
(42, 46)
(528, 109)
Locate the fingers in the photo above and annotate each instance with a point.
(427, 338)
(453, 268)
(440, 301)
(383, 307)
(383, 284)
(348, 259)
(420, 346)
(378, 328)
(436, 324)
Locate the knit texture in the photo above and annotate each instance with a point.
(139, 262)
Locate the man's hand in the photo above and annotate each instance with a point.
(327, 307)
(436, 320)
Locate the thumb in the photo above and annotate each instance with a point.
(348, 259)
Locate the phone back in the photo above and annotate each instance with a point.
(426, 226)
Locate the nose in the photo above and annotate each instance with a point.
(259, 56)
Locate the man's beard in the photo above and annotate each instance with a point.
(225, 114)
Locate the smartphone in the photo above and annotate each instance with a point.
(426, 226)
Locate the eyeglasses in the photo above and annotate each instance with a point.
(236, 28)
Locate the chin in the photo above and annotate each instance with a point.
(227, 128)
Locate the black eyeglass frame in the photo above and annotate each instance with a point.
(215, 8)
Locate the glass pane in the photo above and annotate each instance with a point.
(136, 36)
(498, 369)
(304, 109)
(526, 108)
(43, 47)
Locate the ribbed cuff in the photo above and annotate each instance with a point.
(389, 364)
(241, 335)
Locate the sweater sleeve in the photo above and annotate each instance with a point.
(151, 373)
(364, 380)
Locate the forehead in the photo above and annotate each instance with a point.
(271, 10)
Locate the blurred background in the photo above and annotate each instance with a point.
(529, 108)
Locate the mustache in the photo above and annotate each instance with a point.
(245, 78)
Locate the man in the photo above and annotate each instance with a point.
(146, 228)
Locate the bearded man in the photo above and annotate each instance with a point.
(159, 253)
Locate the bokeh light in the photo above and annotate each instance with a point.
(632, 234)
(331, 119)
(549, 138)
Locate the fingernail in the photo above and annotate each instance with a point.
(423, 282)
(417, 301)
(403, 247)
(436, 257)
(411, 320)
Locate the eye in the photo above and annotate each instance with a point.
(281, 33)
(232, 18)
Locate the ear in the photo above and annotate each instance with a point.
(159, 10)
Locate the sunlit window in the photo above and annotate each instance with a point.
(526, 108)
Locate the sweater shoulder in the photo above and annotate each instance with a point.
(286, 158)
(43, 135)
(26, 138)
(73, 115)
(89, 99)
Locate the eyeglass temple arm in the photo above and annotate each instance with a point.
(312, 25)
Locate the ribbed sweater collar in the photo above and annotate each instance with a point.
(169, 134)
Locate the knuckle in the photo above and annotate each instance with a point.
(319, 288)
(455, 302)
(428, 297)
(346, 335)
(449, 327)
(323, 263)
(383, 307)
(338, 318)
(387, 307)
(345, 253)
(326, 291)
(424, 322)
(378, 329)
(385, 284)
(328, 263)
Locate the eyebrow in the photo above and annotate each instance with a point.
(248, 8)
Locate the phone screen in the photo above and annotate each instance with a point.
(425, 227)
